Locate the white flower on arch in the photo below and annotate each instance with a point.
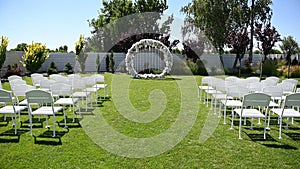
(145, 43)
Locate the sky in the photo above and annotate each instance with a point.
(60, 22)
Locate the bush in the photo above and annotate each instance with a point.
(52, 69)
(269, 68)
(13, 70)
(68, 68)
(35, 55)
(197, 68)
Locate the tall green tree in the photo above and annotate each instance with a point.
(79, 51)
(219, 18)
(289, 47)
(110, 32)
(3, 46)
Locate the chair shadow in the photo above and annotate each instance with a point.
(35, 121)
(70, 123)
(9, 136)
(294, 136)
(47, 138)
(260, 137)
(84, 111)
(281, 146)
(103, 99)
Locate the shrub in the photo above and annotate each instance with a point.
(35, 55)
(52, 69)
(269, 68)
(13, 70)
(68, 68)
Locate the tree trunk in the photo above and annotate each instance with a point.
(251, 32)
(240, 61)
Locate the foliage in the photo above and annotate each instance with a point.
(3, 46)
(68, 68)
(13, 70)
(79, 51)
(20, 47)
(52, 68)
(238, 41)
(35, 55)
(62, 49)
(289, 47)
(107, 62)
(98, 63)
(197, 68)
(111, 33)
(269, 68)
(112, 62)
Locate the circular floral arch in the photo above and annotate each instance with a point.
(144, 44)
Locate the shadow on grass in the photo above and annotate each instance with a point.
(103, 99)
(70, 123)
(47, 138)
(9, 136)
(281, 146)
(26, 124)
(260, 137)
(294, 136)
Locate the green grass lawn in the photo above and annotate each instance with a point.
(222, 149)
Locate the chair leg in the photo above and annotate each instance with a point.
(287, 124)
(54, 126)
(15, 124)
(30, 122)
(232, 112)
(225, 107)
(240, 128)
(280, 127)
(252, 120)
(265, 128)
(65, 117)
(269, 118)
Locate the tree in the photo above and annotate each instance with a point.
(260, 11)
(3, 46)
(218, 18)
(289, 47)
(266, 37)
(20, 47)
(35, 55)
(79, 51)
(239, 41)
(110, 33)
(62, 49)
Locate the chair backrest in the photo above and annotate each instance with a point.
(256, 99)
(253, 79)
(273, 78)
(255, 87)
(78, 84)
(39, 97)
(46, 83)
(273, 91)
(292, 100)
(101, 79)
(5, 96)
(287, 87)
(36, 78)
(90, 80)
(20, 90)
(13, 77)
(16, 82)
(61, 89)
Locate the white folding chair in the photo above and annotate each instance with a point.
(46, 106)
(100, 84)
(253, 103)
(288, 110)
(65, 93)
(204, 86)
(10, 107)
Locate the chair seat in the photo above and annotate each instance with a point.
(250, 113)
(213, 91)
(81, 94)
(232, 103)
(91, 89)
(273, 104)
(221, 96)
(206, 88)
(46, 110)
(10, 110)
(66, 101)
(102, 86)
(286, 113)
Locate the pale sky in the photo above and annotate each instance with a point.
(60, 22)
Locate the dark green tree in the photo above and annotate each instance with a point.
(79, 51)
(20, 47)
